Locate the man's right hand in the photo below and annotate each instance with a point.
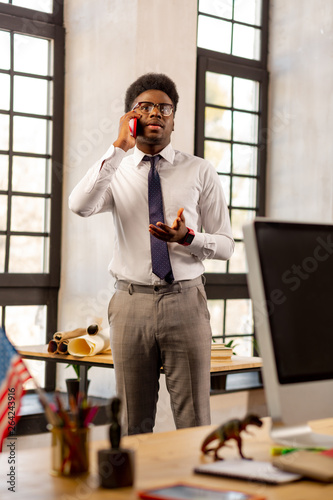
(125, 140)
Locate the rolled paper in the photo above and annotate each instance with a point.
(93, 329)
(78, 332)
(52, 347)
(89, 345)
(95, 326)
(63, 347)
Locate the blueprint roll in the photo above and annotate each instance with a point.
(78, 332)
(52, 346)
(63, 347)
(93, 329)
(89, 345)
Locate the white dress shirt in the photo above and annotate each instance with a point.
(121, 187)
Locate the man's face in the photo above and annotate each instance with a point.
(154, 129)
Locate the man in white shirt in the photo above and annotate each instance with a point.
(158, 315)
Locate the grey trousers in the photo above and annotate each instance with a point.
(151, 327)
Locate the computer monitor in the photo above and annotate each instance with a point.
(290, 278)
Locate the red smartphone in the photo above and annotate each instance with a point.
(132, 126)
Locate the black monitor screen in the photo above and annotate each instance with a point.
(297, 268)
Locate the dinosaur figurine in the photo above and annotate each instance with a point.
(229, 430)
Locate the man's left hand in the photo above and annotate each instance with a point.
(172, 234)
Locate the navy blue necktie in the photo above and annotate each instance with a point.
(159, 249)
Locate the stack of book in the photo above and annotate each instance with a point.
(221, 353)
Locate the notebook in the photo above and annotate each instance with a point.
(251, 470)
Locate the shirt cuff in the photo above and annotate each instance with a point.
(197, 244)
(112, 158)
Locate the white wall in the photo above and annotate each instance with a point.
(109, 43)
(300, 147)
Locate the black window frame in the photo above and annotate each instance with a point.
(234, 285)
(40, 288)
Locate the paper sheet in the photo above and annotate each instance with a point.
(78, 332)
(89, 345)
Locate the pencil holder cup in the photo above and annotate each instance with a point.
(116, 468)
(70, 451)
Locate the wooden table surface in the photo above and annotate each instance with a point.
(105, 359)
(161, 459)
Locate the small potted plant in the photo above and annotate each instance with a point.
(73, 384)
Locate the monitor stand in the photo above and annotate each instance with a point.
(300, 436)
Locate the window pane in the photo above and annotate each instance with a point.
(214, 34)
(222, 8)
(245, 159)
(216, 311)
(246, 42)
(246, 94)
(31, 55)
(30, 214)
(245, 127)
(244, 191)
(4, 132)
(3, 172)
(28, 254)
(5, 91)
(248, 11)
(218, 123)
(3, 212)
(5, 50)
(41, 5)
(36, 89)
(237, 263)
(30, 135)
(218, 153)
(238, 219)
(26, 325)
(31, 175)
(218, 89)
(242, 346)
(2, 253)
(238, 317)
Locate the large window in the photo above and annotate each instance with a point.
(231, 124)
(31, 129)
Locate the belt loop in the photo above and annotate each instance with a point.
(180, 287)
(203, 279)
(130, 289)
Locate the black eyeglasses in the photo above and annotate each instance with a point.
(147, 107)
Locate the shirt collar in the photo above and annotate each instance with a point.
(168, 153)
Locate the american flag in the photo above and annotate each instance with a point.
(13, 374)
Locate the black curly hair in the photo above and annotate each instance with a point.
(149, 81)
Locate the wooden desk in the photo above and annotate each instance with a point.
(161, 459)
(219, 369)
